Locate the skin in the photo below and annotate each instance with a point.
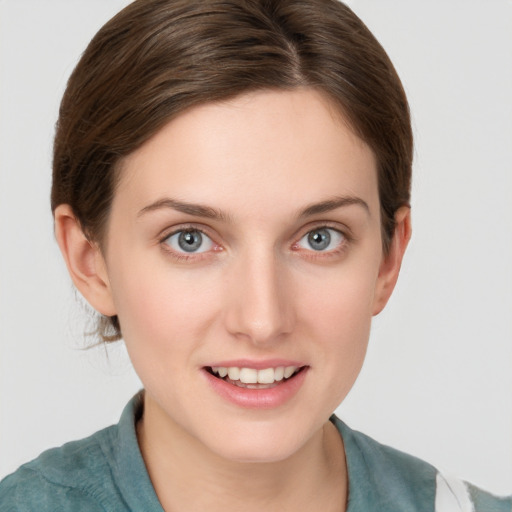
(257, 291)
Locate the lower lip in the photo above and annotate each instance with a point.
(257, 398)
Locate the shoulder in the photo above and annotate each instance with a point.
(485, 502)
(76, 476)
(454, 495)
(385, 479)
(95, 474)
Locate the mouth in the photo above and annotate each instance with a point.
(251, 378)
(257, 385)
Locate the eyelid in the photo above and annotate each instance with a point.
(337, 226)
(169, 231)
(344, 230)
(183, 255)
(205, 242)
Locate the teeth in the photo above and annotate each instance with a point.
(279, 373)
(266, 376)
(248, 375)
(289, 371)
(234, 373)
(252, 376)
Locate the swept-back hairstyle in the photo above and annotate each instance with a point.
(157, 58)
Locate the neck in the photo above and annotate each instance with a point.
(187, 475)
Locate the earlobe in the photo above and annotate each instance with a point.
(84, 261)
(392, 261)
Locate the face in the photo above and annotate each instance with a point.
(243, 255)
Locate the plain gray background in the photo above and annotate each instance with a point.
(438, 378)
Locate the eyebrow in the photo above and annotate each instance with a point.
(333, 204)
(196, 210)
(208, 212)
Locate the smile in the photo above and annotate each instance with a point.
(265, 387)
(252, 378)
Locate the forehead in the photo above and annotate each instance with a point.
(256, 152)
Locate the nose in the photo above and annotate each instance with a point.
(259, 299)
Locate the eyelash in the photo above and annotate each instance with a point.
(309, 253)
(346, 240)
(183, 256)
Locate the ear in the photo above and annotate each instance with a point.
(392, 261)
(84, 260)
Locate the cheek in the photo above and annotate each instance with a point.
(159, 307)
(342, 299)
(342, 323)
(338, 316)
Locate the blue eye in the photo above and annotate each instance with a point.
(190, 241)
(321, 239)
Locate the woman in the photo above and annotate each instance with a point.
(231, 194)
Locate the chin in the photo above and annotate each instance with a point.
(250, 452)
(259, 442)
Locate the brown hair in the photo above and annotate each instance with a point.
(157, 58)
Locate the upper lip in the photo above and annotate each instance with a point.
(256, 365)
